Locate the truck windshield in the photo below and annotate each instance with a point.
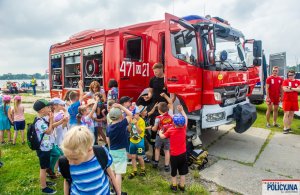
(233, 47)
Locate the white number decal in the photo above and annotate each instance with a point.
(146, 70)
(123, 68)
(132, 69)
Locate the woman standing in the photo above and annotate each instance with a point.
(291, 87)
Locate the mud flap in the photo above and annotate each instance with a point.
(244, 115)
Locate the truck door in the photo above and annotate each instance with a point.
(183, 75)
(134, 65)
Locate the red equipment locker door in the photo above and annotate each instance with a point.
(183, 75)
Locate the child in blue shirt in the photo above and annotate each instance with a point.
(75, 100)
(117, 138)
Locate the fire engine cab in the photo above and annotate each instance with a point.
(203, 57)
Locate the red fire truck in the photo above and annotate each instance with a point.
(203, 57)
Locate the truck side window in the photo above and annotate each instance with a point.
(134, 49)
(184, 43)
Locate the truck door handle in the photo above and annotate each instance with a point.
(173, 79)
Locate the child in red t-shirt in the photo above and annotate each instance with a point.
(177, 135)
(291, 87)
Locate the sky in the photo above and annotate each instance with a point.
(29, 27)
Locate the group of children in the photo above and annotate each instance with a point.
(70, 127)
(11, 116)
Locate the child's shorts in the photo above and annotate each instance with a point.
(19, 125)
(119, 164)
(179, 163)
(138, 148)
(44, 158)
(159, 143)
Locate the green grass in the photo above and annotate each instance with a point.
(261, 120)
(20, 174)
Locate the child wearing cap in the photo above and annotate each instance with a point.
(59, 112)
(137, 142)
(177, 135)
(5, 118)
(117, 137)
(18, 118)
(44, 127)
(75, 100)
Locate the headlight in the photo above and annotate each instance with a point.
(218, 96)
(215, 116)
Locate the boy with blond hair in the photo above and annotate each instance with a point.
(86, 173)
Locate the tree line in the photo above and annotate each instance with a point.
(10, 76)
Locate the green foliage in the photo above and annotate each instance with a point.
(261, 120)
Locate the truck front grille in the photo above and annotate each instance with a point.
(232, 94)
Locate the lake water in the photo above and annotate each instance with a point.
(46, 82)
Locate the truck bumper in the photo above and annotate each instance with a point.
(215, 115)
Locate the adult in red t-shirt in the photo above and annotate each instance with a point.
(274, 95)
(177, 135)
(291, 87)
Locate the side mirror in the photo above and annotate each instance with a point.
(257, 62)
(257, 49)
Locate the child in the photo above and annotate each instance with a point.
(113, 93)
(44, 127)
(137, 143)
(117, 136)
(95, 88)
(126, 102)
(163, 122)
(110, 103)
(87, 175)
(101, 113)
(18, 118)
(85, 117)
(145, 115)
(75, 101)
(177, 135)
(59, 112)
(5, 118)
(90, 105)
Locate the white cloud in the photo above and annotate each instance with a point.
(29, 27)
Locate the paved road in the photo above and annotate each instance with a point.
(241, 167)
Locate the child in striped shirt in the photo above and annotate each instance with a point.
(87, 175)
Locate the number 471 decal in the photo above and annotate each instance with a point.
(133, 69)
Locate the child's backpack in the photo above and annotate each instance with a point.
(165, 122)
(32, 139)
(100, 153)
